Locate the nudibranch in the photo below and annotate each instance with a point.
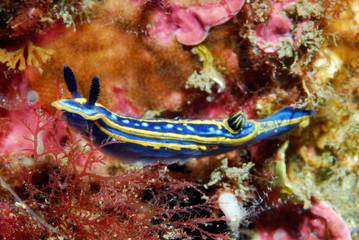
(148, 141)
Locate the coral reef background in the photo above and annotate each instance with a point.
(189, 59)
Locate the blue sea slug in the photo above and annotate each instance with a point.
(148, 141)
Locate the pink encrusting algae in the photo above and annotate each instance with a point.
(318, 222)
(193, 59)
(276, 30)
(190, 25)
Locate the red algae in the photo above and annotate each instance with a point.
(276, 30)
(319, 222)
(60, 183)
(190, 25)
(25, 22)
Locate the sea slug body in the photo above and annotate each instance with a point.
(148, 140)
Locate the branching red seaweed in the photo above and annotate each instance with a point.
(62, 185)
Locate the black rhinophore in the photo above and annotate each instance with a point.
(94, 91)
(70, 82)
